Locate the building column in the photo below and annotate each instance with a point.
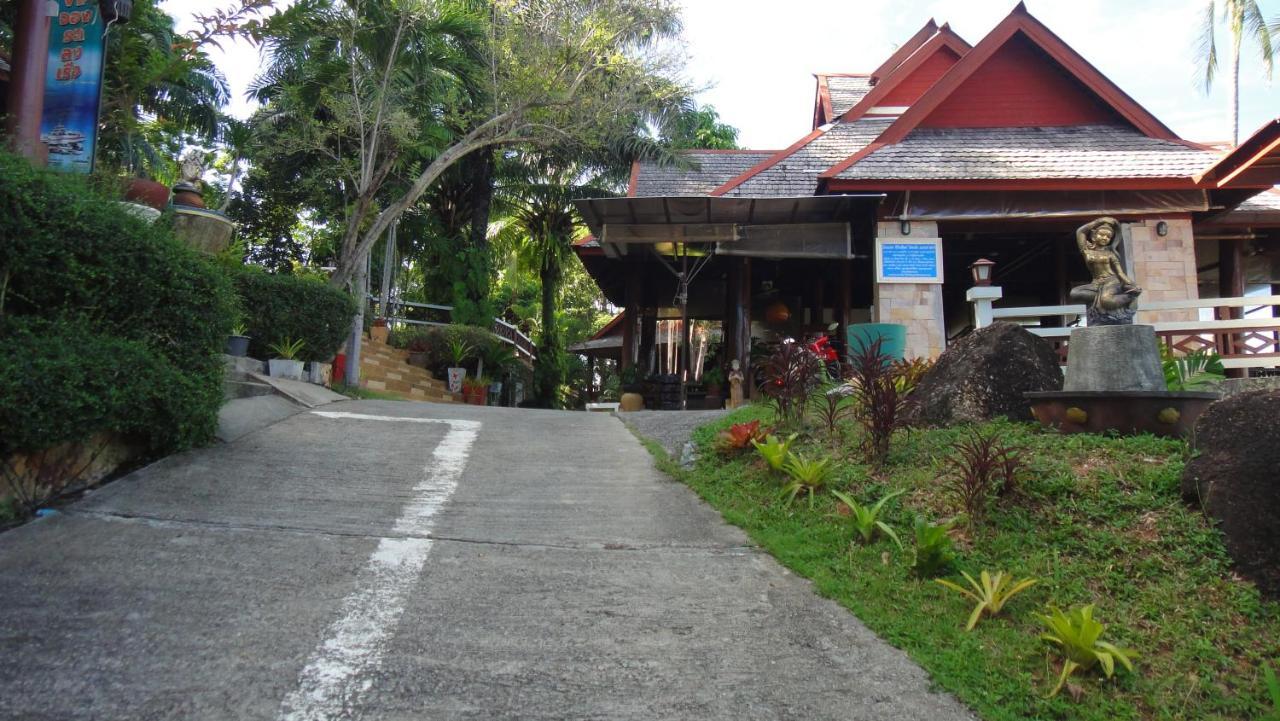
(918, 306)
(1164, 265)
(634, 289)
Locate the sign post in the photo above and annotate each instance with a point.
(73, 85)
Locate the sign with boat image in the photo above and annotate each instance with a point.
(73, 85)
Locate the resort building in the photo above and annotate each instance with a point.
(945, 154)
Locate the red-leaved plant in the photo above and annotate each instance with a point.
(877, 400)
(789, 377)
(739, 437)
(981, 468)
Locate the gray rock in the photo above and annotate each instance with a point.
(984, 375)
(1236, 479)
(1114, 358)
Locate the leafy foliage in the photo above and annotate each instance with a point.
(1196, 370)
(877, 400)
(287, 349)
(277, 307)
(908, 372)
(806, 476)
(789, 376)
(740, 436)
(1273, 690)
(991, 595)
(933, 551)
(1078, 636)
(981, 466)
(833, 407)
(774, 450)
(866, 519)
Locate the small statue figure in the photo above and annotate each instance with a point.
(736, 379)
(1111, 298)
(188, 190)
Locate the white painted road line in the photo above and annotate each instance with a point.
(330, 684)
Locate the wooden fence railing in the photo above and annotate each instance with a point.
(1250, 341)
(409, 313)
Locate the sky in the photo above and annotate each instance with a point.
(755, 59)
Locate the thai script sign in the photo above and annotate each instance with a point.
(73, 85)
(899, 260)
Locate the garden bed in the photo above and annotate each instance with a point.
(1097, 520)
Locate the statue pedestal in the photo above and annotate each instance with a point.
(1114, 358)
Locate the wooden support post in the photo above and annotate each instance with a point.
(634, 289)
(648, 341)
(1230, 285)
(739, 345)
(844, 298)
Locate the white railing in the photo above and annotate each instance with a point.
(442, 315)
(1246, 342)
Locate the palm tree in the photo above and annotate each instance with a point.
(538, 222)
(1244, 20)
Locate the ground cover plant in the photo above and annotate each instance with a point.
(1097, 521)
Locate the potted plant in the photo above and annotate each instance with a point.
(459, 351)
(285, 364)
(319, 373)
(632, 390)
(238, 342)
(418, 348)
(714, 380)
(475, 391)
(378, 332)
(500, 359)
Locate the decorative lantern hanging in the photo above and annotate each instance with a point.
(777, 313)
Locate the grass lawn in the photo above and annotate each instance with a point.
(364, 394)
(1097, 520)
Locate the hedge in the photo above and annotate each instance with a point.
(88, 286)
(276, 307)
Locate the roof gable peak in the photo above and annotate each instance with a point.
(916, 68)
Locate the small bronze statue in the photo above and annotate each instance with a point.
(1112, 297)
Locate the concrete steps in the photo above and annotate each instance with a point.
(387, 370)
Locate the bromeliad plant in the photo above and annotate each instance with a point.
(866, 519)
(1273, 690)
(990, 595)
(775, 450)
(287, 349)
(740, 436)
(805, 475)
(933, 553)
(1078, 636)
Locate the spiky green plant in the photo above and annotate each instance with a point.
(805, 475)
(287, 349)
(1273, 690)
(1078, 636)
(990, 595)
(774, 450)
(866, 519)
(933, 549)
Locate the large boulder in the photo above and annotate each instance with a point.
(984, 375)
(1236, 479)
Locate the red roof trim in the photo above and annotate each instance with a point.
(635, 178)
(822, 101)
(944, 38)
(910, 46)
(1020, 21)
(1262, 145)
(769, 162)
(836, 185)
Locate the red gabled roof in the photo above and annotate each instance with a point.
(1254, 164)
(901, 54)
(1018, 24)
(920, 67)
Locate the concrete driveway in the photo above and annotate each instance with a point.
(381, 560)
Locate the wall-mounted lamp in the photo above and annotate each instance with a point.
(1162, 229)
(905, 227)
(981, 269)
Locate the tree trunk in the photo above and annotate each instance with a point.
(360, 290)
(1235, 90)
(548, 371)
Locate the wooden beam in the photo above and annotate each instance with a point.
(634, 290)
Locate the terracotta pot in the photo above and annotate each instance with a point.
(188, 195)
(475, 396)
(147, 192)
(379, 333)
(631, 402)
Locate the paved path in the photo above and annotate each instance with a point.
(416, 561)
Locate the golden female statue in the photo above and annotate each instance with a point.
(1112, 297)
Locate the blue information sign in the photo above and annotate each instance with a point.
(73, 86)
(907, 261)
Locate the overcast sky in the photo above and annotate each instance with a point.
(756, 58)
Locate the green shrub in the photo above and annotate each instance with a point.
(437, 343)
(108, 322)
(278, 307)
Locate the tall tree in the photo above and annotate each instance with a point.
(1243, 20)
(374, 81)
(699, 127)
(535, 197)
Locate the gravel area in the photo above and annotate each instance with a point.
(672, 429)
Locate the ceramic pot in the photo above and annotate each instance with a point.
(147, 192)
(455, 379)
(238, 345)
(319, 373)
(631, 402)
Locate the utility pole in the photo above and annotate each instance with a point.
(26, 83)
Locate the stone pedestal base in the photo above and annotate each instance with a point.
(1114, 358)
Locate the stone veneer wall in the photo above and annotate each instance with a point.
(1165, 267)
(915, 305)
